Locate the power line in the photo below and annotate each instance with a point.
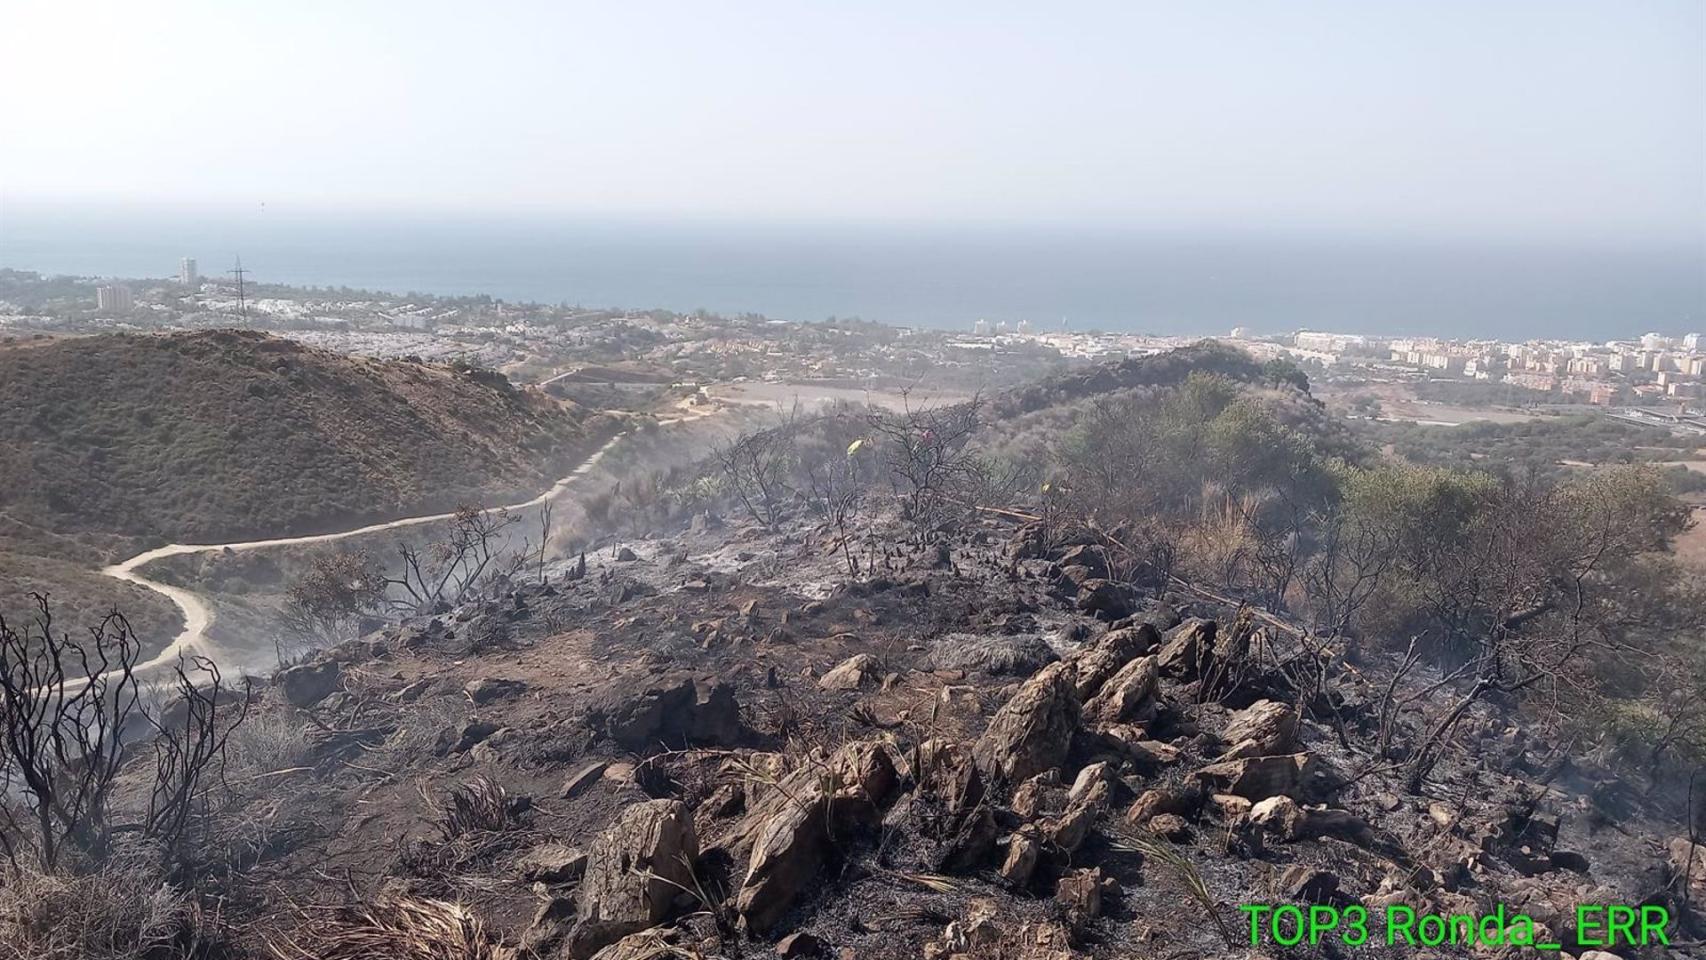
(238, 272)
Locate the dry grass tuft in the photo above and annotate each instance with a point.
(1161, 851)
(480, 805)
(475, 820)
(124, 911)
(397, 930)
(268, 742)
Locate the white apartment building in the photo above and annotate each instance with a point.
(114, 298)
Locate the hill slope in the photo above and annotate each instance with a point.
(231, 434)
(116, 442)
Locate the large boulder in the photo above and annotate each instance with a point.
(1041, 795)
(1159, 614)
(969, 843)
(1090, 558)
(308, 683)
(1160, 801)
(788, 852)
(1029, 542)
(851, 673)
(1188, 648)
(716, 714)
(1101, 771)
(791, 828)
(1033, 730)
(1024, 849)
(640, 720)
(1133, 640)
(1132, 744)
(1107, 599)
(1067, 832)
(1128, 694)
(1199, 650)
(1081, 892)
(946, 775)
(1093, 666)
(1075, 577)
(667, 712)
(1262, 729)
(552, 863)
(1257, 778)
(633, 872)
(863, 769)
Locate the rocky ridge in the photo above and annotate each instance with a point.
(1009, 757)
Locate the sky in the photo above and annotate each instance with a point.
(1529, 120)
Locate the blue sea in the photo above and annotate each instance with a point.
(948, 276)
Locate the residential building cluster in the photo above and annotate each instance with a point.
(1656, 368)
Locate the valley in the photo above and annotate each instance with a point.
(906, 671)
(812, 481)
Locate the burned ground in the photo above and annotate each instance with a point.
(862, 685)
(950, 757)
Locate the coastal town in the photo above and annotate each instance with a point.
(1656, 370)
(1656, 379)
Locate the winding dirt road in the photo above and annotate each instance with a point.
(198, 616)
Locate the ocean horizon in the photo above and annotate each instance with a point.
(928, 276)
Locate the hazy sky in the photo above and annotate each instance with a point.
(1533, 119)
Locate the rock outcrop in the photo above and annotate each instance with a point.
(793, 827)
(308, 683)
(667, 713)
(1258, 778)
(634, 870)
(1032, 731)
(1263, 729)
(851, 674)
(1188, 648)
(1128, 695)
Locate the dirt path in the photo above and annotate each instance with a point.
(198, 616)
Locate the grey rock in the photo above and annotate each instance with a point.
(487, 689)
(308, 683)
(851, 674)
(1188, 648)
(1128, 695)
(1262, 729)
(633, 872)
(1106, 598)
(1032, 731)
(583, 779)
(552, 863)
(1258, 778)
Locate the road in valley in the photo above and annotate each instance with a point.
(193, 639)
